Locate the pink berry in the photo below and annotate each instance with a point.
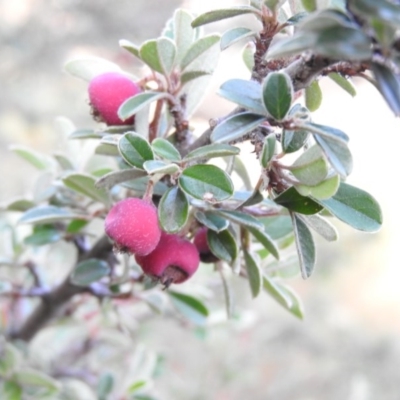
(174, 260)
(201, 243)
(107, 92)
(133, 225)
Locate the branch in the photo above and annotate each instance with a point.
(51, 303)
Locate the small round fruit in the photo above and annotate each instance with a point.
(174, 260)
(200, 241)
(107, 92)
(133, 226)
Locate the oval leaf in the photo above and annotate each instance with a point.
(253, 273)
(86, 185)
(153, 167)
(313, 95)
(206, 182)
(134, 149)
(241, 218)
(191, 307)
(165, 149)
(343, 83)
(244, 93)
(223, 13)
(39, 161)
(234, 35)
(114, 178)
(212, 151)
(49, 214)
(89, 271)
(268, 150)
(173, 210)
(266, 241)
(212, 221)
(223, 245)
(134, 104)
(355, 207)
(236, 126)
(277, 94)
(305, 246)
(198, 49)
(159, 54)
(294, 201)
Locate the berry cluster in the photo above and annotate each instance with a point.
(133, 223)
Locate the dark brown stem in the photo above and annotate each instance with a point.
(52, 303)
(153, 129)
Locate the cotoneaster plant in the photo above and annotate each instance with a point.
(201, 243)
(106, 94)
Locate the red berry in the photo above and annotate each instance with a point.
(174, 260)
(133, 225)
(201, 243)
(107, 92)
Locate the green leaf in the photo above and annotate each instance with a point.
(234, 35)
(333, 142)
(313, 96)
(309, 5)
(105, 386)
(284, 296)
(184, 34)
(383, 9)
(89, 271)
(223, 13)
(116, 177)
(34, 378)
(85, 134)
(268, 150)
(305, 246)
(388, 84)
(43, 235)
(212, 221)
(198, 49)
(159, 54)
(19, 205)
(354, 207)
(131, 47)
(248, 57)
(241, 218)
(266, 241)
(321, 226)
(311, 167)
(294, 45)
(340, 42)
(134, 104)
(90, 67)
(165, 149)
(236, 126)
(173, 210)
(343, 83)
(10, 358)
(223, 245)
(153, 167)
(323, 190)
(206, 182)
(294, 201)
(39, 161)
(244, 93)
(191, 307)
(277, 227)
(48, 214)
(293, 140)
(277, 94)
(134, 149)
(191, 75)
(212, 151)
(85, 184)
(253, 273)
(76, 225)
(10, 390)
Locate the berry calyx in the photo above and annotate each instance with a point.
(133, 226)
(107, 92)
(201, 243)
(174, 260)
